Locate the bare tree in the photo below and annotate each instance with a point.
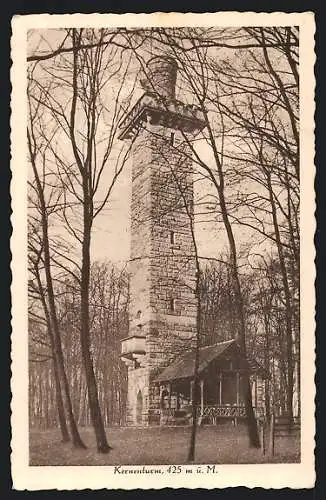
(37, 161)
(36, 288)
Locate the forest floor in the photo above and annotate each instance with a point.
(159, 445)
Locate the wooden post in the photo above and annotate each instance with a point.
(238, 388)
(161, 398)
(256, 402)
(262, 436)
(170, 390)
(201, 401)
(161, 405)
(192, 397)
(238, 395)
(253, 391)
(192, 392)
(272, 435)
(220, 395)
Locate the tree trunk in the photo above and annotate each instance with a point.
(250, 416)
(219, 185)
(287, 296)
(264, 305)
(77, 441)
(60, 405)
(94, 406)
(188, 206)
(191, 455)
(58, 390)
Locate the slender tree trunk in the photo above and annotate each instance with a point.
(77, 441)
(94, 406)
(59, 400)
(191, 455)
(188, 206)
(219, 185)
(263, 304)
(60, 405)
(267, 381)
(250, 416)
(298, 378)
(287, 296)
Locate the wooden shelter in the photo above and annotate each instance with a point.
(221, 373)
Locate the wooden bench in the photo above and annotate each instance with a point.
(176, 417)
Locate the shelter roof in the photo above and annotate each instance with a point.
(184, 366)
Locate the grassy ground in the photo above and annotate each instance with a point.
(160, 445)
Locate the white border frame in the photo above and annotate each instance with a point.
(300, 475)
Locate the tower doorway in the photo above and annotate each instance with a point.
(139, 408)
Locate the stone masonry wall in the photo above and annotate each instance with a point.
(140, 237)
(162, 263)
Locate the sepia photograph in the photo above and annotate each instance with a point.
(163, 250)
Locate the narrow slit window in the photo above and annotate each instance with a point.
(172, 238)
(172, 138)
(172, 305)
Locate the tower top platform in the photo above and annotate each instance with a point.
(158, 110)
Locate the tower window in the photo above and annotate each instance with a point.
(155, 332)
(172, 305)
(172, 238)
(172, 138)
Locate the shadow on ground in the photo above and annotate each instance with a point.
(159, 445)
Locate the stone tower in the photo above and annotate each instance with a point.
(162, 270)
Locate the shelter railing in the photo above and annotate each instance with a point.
(227, 411)
(215, 411)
